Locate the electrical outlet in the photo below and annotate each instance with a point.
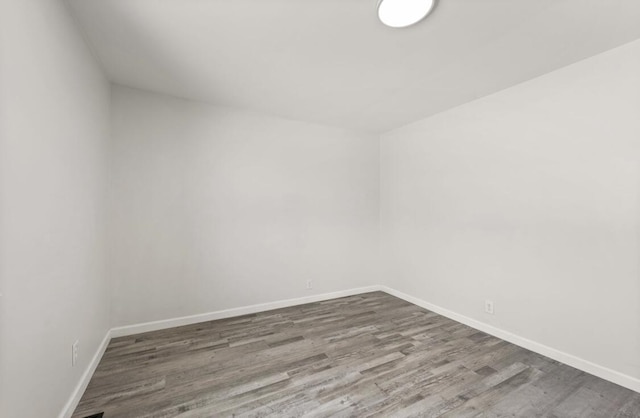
(488, 306)
(74, 353)
(309, 284)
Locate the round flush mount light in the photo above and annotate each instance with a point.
(403, 13)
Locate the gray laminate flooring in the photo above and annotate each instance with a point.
(365, 355)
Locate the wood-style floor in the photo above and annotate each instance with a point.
(365, 355)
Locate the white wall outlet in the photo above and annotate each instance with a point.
(74, 353)
(309, 284)
(488, 306)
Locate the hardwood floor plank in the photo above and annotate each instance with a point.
(369, 355)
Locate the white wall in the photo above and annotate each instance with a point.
(214, 208)
(530, 198)
(54, 109)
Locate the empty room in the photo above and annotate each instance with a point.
(319, 208)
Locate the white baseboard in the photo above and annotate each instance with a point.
(73, 401)
(616, 377)
(228, 313)
(577, 362)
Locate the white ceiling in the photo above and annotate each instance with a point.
(332, 62)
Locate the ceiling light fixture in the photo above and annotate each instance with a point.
(403, 13)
